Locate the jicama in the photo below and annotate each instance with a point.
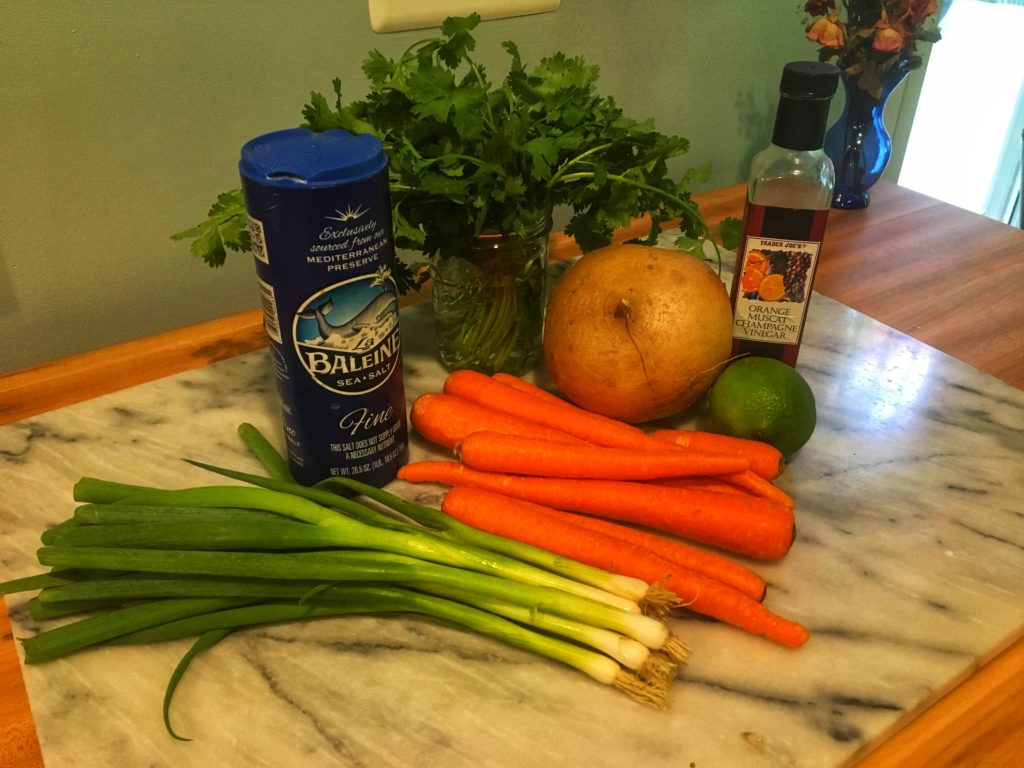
(740, 524)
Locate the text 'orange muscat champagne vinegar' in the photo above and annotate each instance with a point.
(788, 200)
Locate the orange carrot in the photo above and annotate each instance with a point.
(745, 525)
(446, 419)
(546, 458)
(757, 485)
(701, 484)
(709, 564)
(592, 427)
(529, 388)
(765, 459)
(535, 525)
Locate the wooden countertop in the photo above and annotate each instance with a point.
(942, 275)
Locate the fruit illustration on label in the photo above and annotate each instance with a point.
(775, 275)
(772, 288)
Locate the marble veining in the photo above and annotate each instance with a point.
(908, 569)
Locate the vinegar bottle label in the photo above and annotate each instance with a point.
(774, 277)
(774, 284)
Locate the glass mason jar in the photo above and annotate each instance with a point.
(488, 296)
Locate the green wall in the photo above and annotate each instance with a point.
(121, 121)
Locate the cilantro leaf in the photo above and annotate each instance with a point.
(225, 228)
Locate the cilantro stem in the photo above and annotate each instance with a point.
(560, 173)
(687, 205)
(485, 87)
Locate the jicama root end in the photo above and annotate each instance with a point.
(652, 692)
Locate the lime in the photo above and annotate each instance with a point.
(763, 399)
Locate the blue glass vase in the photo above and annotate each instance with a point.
(858, 143)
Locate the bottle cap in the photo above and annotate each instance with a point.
(809, 80)
(806, 92)
(299, 157)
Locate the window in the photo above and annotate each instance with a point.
(965, 141)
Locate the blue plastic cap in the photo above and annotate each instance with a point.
(299, 157)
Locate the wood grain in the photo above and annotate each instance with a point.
(979, 724)
(940, 274)
(19, 747)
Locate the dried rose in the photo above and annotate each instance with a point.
(819, 7)
(827, 31)
(888, 39)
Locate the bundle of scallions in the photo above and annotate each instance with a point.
(141, 565)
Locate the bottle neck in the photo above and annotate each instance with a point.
(800, 123)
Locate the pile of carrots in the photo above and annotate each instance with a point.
(535, 468)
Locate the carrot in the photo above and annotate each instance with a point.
(701, 484)
(547, 458)
(529, 388)
(534, 524)
(766, 460)
(592, 427)
(757, 485)
(446, 419)
(744, 525)
(709, 564)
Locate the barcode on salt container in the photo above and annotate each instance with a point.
(258, 240)
(270, 319)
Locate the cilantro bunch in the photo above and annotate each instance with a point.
(468, 155)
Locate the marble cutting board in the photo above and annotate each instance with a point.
(908, 570)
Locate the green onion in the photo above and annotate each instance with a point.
(121, 513)
(380, 600)
(340, 530)
(627, 651)
(60, 641)
(139, 564)
(275, 464)
(41, 610)
(203, 643)
(357, 565)
(629, 588)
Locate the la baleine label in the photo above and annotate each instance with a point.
(346, 336)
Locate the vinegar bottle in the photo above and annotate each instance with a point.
(788, 199)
